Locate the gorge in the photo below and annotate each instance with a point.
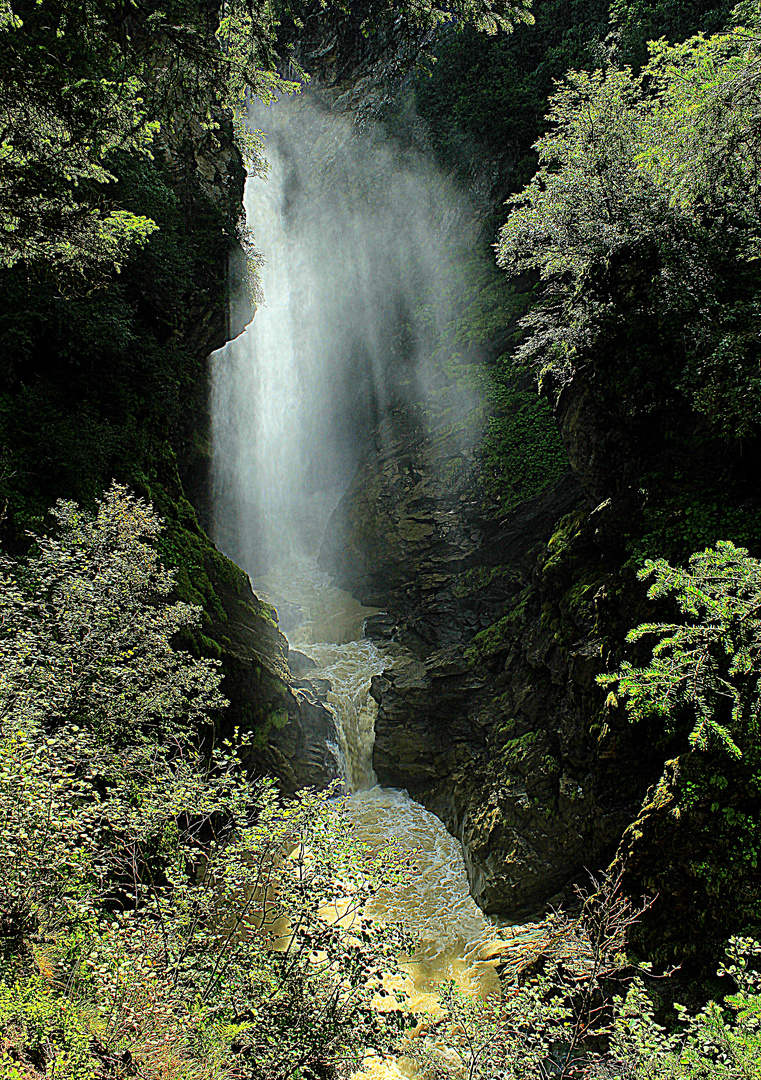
(460, 510)
(502, 559)
(354, 285)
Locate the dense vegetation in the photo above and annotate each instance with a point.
(641, 223)
(656, 174)
(163, 917)
(159, 914)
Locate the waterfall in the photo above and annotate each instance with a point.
(349, 669)
(357, 286)
(357, 283)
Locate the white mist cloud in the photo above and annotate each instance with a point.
(356, 239)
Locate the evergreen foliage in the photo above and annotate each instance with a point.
(709, 665)
(698, 692)
(81, 81)
(66, 102)
(484, 98)
(651, 178)
(634, 23)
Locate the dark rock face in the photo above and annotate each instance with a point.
(294, 728)
(507, 759)
(413, 524)
(490, 714)
(299, 753)
(423, 730)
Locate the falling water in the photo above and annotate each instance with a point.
(436, 906)
(356, 240)
(353, 236)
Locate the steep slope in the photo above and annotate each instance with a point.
(507, 611)
(108, 380)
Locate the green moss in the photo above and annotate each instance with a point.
(39, 1026)
(268, 613)
(580, 591)
(522, 452)
(493, 304)
(472, 581)
(566, 531)
(495, 638)
(490, 640)
(226, 571)
(278, 718)
(515, 751)
(504, 728)
(210, 647)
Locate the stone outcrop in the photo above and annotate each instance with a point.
(300, 752)
(294, 729)
(490, 714)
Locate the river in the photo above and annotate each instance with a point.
(354, 236)
(436, 906)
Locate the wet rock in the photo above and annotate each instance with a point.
(300, 744)
(527, 824)
(489, 713)
(300, 663)
(423, 731)
(380, 627)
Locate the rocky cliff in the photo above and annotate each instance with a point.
(489, 714)
(109, 380)
(502, 618)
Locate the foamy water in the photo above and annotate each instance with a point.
(435, 906)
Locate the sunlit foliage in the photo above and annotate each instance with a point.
(573, 1006)
(647, 195)
(83, 79)
(156, 908)
(710, 663)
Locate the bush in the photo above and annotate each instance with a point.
(572, 1006)
(188, 921)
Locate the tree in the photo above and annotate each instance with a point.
(646, 202)
(573, 1006)
(707, 667)
(636, 22)
(697, 840)
(83, 80)
(180, 918)
(67, 101)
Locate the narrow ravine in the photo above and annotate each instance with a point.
(436, 907)
(354, 249)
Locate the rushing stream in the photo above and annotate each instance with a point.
(436, 906)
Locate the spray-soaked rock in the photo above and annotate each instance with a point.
(300, 744)
(484, 716)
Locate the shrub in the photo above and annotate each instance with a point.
(189, 922)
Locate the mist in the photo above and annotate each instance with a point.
(356, 235)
